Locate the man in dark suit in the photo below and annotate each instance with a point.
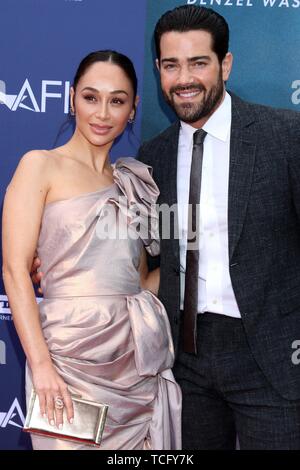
(234, 305)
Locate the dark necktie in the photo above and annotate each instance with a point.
(192, 254)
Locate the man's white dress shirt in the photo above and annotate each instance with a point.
(215, 288)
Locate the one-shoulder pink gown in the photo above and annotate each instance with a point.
(108, 339)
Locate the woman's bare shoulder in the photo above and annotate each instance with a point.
(35, 167)
(38, 157)
(41, 162)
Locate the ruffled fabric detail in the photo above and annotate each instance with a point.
(154, 351)
(154, 355)
(135, 181)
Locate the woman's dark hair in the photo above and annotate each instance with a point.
(191, 18)
(113, 57)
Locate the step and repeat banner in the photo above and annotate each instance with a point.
(41, 44)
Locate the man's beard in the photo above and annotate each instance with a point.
(193, 112)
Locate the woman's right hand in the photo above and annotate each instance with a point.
(49, 386)
(36, 276)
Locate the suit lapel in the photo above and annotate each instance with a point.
(169, 157)
(242, 158)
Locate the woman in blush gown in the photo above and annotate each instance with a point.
(97, 333)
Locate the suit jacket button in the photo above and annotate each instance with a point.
(176, 320)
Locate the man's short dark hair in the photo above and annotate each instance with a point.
(193, 18)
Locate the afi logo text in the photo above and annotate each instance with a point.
(27, 97)
(13, 417)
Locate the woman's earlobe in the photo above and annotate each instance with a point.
(72, 108)
(133, 113)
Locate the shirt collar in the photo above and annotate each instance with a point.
(218, 125)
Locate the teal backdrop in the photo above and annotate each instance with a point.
(265, 42)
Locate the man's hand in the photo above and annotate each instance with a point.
(35, 275)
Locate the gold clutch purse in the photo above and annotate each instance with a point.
(87, 427)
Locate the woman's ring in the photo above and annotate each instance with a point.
(59, 403)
